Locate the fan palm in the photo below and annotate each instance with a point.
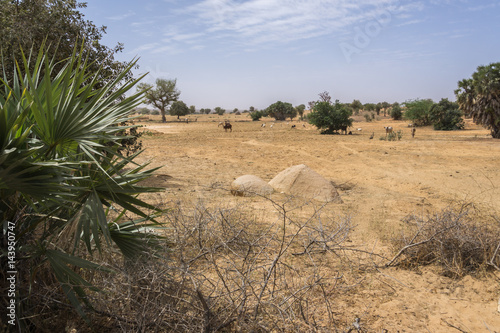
(479, 97)
(61, 176)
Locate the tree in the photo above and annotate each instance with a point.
(385, 106)
(356, 106)
(235, 110)
(256, 115)
(378, 107)
(63, 183)
(479, 97)
(251, 109)
(446, 116)
(418, 111)
(325, 97)
(192, 109)
(208, 110)
(396, 111)
(281, 110)
(369, 107)
(220, 111)
(161, 96)
(300, 110)
(179, 108)
(330, 117)
(56, 26)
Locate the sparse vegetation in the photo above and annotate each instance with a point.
(456, 239)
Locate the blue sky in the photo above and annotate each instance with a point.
(242, 53)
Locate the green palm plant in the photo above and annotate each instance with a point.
(63, 182)
(479, 97)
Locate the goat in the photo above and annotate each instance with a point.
(263, 125)
(293, 126)
(359, 129)
(413, 130)
(388, 130)
(371, 136)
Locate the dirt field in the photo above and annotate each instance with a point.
(380, 182)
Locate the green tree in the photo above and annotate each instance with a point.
(161, 96)
(446, 116)
(251, 109)
(208, 110)
(192, 109)
(356, 106)
(281, 111)
(56, 26)
(418, 111)
(369, 107)
(179, 108)
(300, 110)
(256, 115)
(64, 186)
(330, 117)
(479, 97)
(220, 111)
(396, 111)
(378, 107)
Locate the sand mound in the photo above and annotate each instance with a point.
(300, 180)
(250, 185)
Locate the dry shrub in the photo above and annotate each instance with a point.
(226, 271)
(457, 239)
(230, 271)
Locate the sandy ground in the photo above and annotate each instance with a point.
(380, 182)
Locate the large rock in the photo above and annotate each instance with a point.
(300, 180)
(250, 185)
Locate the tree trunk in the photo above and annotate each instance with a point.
(163, 118)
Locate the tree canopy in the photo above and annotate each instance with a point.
(446, 116)
(281, 111)
(418, 111)
(27, 25)
(479, 97)
(396, 111)
(161, 96)
(330, 117)
(179, 108)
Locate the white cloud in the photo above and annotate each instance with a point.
(122, 16)
(266, 21)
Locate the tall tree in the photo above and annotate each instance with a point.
(179, 108)
(192, 109)
(28, 24)
(281, 111)
(396, 111)
(356, 106)
(446, 116)
(300, 110)
(220, 111)
(479, 97)
(418, 111)
(161, 96)
(331, 117)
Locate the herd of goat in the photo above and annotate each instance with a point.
(388, 129)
